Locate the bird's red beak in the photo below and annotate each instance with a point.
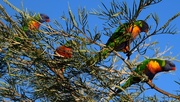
(173, 68)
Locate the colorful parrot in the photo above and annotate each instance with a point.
(149, 67)
(34, 23)
(121, 39)
(30, 24)
(64, 52)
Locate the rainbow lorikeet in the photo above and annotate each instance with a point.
(149, 67)
(121, 39)
(34, 23)
(30, 24)
(66, 50)
(63, 52)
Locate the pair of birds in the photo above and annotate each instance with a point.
(119, 41)
(34, 24)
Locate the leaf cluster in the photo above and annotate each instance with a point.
(31, 71)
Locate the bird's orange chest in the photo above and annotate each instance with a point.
(134, 30)
(33, 25)
(154, 67)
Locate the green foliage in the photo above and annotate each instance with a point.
(30, 70)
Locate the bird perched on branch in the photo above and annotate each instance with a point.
(149, 67)
(64, 52)
(29, 22)
(33, 23)
(29, 25)
(121, 39)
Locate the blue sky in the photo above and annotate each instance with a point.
(164, 10)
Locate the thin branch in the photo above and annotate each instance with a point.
(162, 91)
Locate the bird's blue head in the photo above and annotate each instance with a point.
(44, 18)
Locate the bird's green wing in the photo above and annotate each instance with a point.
(117, 42)
(134, 79)
(142, 66)
(117, 36)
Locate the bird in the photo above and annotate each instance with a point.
(33, 23)
(63, 52)
(149, 67)
(30, 26)
(121, 39)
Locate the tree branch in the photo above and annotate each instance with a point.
(162, 91)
